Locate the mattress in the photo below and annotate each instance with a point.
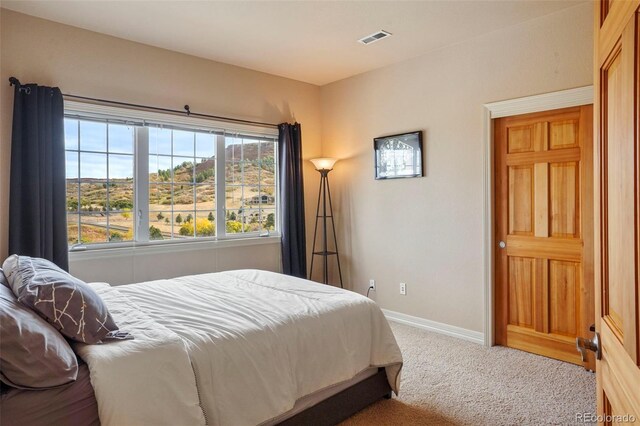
(237, 347)
(73, 404)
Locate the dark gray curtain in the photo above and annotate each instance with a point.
(294, 245)
(37, 196)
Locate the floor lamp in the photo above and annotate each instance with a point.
(324, 166)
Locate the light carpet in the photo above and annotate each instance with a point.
(448, 381)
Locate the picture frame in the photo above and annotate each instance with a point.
(398, 156)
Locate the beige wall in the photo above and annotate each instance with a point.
(90, 64)
(427, 232)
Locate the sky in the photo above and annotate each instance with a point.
(92, 136)
(119, 160)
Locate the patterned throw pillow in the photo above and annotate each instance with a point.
(67, 303)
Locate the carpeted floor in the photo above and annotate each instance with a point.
(448, 381)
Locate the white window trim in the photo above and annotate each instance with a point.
(113, 250)
(141, 167)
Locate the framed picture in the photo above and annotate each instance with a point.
(398, 156)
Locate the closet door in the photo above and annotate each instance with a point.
(617, 210)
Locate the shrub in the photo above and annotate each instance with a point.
(160, 216)
(179, 219)
(210, 217)
(233, 227)
(270, 223)
(204, 175)
(155, 233)
(121, 204)
(204, 228)
(187, 229)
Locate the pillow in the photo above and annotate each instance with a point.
(34, 355)
(3, 279)
(66, 302)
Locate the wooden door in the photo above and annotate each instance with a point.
(617, 210)
(544, 217)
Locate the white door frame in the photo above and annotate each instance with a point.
(537, 103)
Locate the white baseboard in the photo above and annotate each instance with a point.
(438, 327)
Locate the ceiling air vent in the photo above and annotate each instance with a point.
(374, 37)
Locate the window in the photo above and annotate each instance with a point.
(250, 184)
(182, 202)
(100, 188)
(136, 180)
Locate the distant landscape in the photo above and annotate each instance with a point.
(249, 199)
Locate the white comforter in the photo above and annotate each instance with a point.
(232, 348)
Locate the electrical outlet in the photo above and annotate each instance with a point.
(403, 289)
(372, 285)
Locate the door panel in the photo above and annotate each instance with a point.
(565, 199)
(617, 245)
(520, 139)
(520, 200)
(564, 134)
(564, 286)
(521, 284)
(544, 190)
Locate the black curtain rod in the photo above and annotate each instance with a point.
(187, 111)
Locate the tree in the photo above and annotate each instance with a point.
(179, 219)
(155, 233)
(166, 220)
(270, 223)
(160, 216)
(210, 217)
(233, 216)
(189, 218)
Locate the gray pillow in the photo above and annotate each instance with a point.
(3, 279)
(34, 355)
(66, 302)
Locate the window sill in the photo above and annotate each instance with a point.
(95, 253)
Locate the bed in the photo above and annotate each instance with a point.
(241, 347)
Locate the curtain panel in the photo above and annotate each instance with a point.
(37, 195)
(294, 245)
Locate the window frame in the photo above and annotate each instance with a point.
(143, 120)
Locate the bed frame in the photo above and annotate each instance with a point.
(345, 404)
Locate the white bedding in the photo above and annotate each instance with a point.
(257, 341)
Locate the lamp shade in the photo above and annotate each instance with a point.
(324, 163)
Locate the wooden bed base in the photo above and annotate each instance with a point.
(343, 405)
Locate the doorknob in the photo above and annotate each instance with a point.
(502, 244)
(582, 345)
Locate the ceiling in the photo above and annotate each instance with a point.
(311, 41)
